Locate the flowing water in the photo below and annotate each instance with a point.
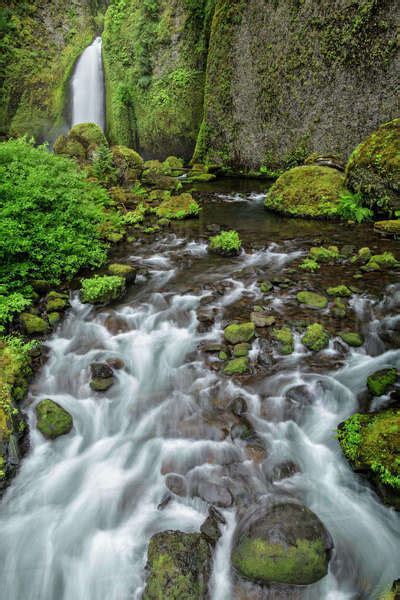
(87, 85)
(76, 522)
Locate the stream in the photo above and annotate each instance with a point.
(77, 519)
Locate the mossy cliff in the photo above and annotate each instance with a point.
(287, 78)
(154, 58)
(39, 45)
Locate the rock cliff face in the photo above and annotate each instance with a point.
(39, 46)
(289, 77)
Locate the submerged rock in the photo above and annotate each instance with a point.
(52, 419)
(312, 299)
(281, 542)
(309, 191)
(179, 566)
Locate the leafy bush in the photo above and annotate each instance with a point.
(103, 167)
(102, 289)
(50, 221)
(309, 264)
(350, 208)
(226, 242)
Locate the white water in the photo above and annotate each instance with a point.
(88, 87)
(76, 522)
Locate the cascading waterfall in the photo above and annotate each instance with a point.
(76, 521)
(87, 87)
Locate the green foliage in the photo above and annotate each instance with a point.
(178, 207)
(380, 381)
(349, 436)
(50, 221)
(351, 208)
(315, 337)
(285, 338)
(322, 254)
(239, 333)
(226, 242)
(309, 264)
(102, 289)
(103, 167)
(312, 299)
(341, 291)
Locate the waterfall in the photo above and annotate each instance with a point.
(88, 87)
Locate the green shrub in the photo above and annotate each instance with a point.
(226, 242)
(102, 289)
(350, 208)
(50, 222)
(309, 264)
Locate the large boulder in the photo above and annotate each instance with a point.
(179, 207)
(281, 542)
(81, 141)
(374, 168)
(52, 419)
(179, 567)
(371, 443)
(309, 191)
(128, 162)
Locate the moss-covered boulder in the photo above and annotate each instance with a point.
(379, 382)
(56, 302)
(102, 289)
(122, 270)
(179, 207)
(371, 443)
(309, 191)
(390, 228)
(315, 338)
(81, 141)
(128, 163)
(241, 350)
(312, 300)
(373, 169)
(281, 543)
(352, 338)
(238, 333)
(386, 260)
(285, 338)
(237, 366)
(33, 324)
(15, 373)
(226, 243)
(52, 419)
(179, 567)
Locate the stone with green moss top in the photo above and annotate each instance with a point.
(52, 419)
(179, 566)
(56, 302)
(285, 543)
(122, 270)
(102, 289)
(370, 442)
(322, 254)
(128, 163)
(362, 256)
(312, 299)
(285, 338)
(265, 287)
(390, 227)
(34, 325)
(179, 207)
(340, 291)
(81, 141)
(237, 366)
(373, 169)
(308, 191)
(226, 243)
(241, 350)
(352, 338)
(316, 338)
(386, 260)
(200, 177)
(380, 382)
(238, 333)
(339, 308)
(54, 318)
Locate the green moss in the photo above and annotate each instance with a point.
(122, 270)
(129, 164)
(307, 192)
(374, 168)
(351, 338)
(389, 227)
(312, 299)
(315, 338)
(285, 338)
(301, 564)
(81, 141)
(339, 308)
(226, 243)
(265, 287)
(341, 291)
(56, 302)
(54, 318)
(381, 261)
(179, 207)
(380, 381)
(309, 264)
(52, 419)
(200, 177)
(236, 334)
(223, 355)
(322, 254)
(241, 350)
(102, 289)
(34, 325)
(371, 442)
(237, 366)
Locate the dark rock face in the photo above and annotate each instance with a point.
(281, 542)
(179, 566)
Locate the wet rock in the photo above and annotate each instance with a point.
(213, 228)
(165, 500)
(284, 337)
(238, 406)
(237, 333)
(297, 399)
(262, 320)
(33, 325)
(389, 228)
(241, 350)
(99, 384)
(56, 302)
(211, 347)
(102, 370)
(123, 270)
(237, 366)
(206, 315)
(52, 419)
(281, 541)
(115, 363)
(282, 282)
(214, 493)
(179, 566)
(380, 382)
(211, 528)
(312, 300)
(284, 470)
(177, 484)
(53, 318)
(351, 338)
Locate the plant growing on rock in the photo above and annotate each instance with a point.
(102, 289)
(226, 243)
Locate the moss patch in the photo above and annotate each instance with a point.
(179, 207)
(52, 419)
(316, 337)
(389, 227)
(102, 289)
(312, 299)
(285, 338)
(380, 381)
(352, 338)
(341, 291)
(236, 334)
(34, 325)
(226, 243)
(237, 366)
(307, 192)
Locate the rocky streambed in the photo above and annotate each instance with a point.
(201, 458)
